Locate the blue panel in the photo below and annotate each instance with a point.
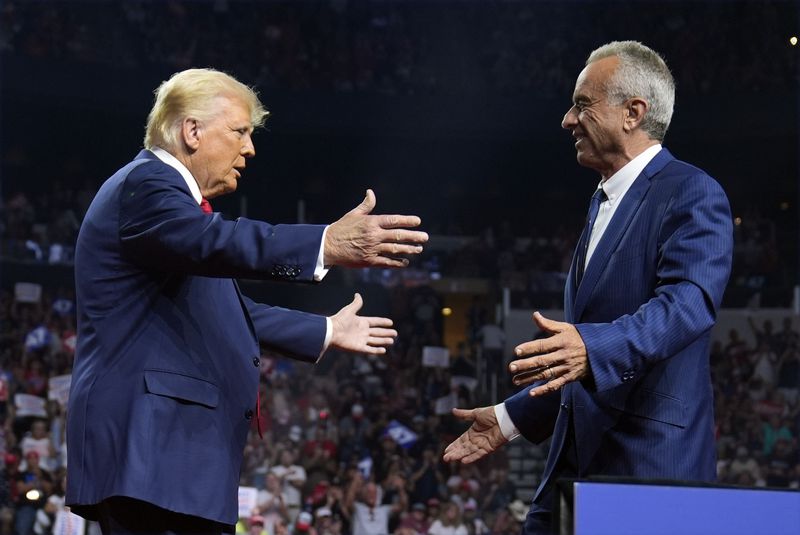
(624, 509)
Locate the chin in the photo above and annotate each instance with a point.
(584, 160)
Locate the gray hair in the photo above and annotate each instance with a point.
(642, 73)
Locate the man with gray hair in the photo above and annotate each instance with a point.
(167, 364)
(623, 384)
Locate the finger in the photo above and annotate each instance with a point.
(474, 456)
(539, 347)
(528, 376)
(397, 249)
(388, 221)
(376, 321)
(458, 448)
(464, 414)
(549, 387)
(451, 454)
(546, 324)
(464, 450)
(385, 261)
(545, 374)
(378, 341)
(370, 350)
(403, 235)
(383, 333)
(533, 363)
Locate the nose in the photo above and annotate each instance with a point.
(248, 149)
(570, 119)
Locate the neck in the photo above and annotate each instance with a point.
(626, 155)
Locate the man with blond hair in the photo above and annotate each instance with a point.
(164, 386)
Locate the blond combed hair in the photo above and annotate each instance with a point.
(194, 93)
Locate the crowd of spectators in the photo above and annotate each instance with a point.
(758, 407)
(354, 443)
(402, 47)
(42, 229)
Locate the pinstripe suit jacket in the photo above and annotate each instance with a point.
(644, 308)
(167, 363)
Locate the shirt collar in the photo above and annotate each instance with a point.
(618, 184)
(173, 162)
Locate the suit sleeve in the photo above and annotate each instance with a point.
(694, 262)
(534, 418)
(162, 228)
(296, 334)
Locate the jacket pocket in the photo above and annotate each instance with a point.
(653, 406)
(181, 387)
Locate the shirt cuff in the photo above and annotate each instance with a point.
(320, 270)
(328, 335)
(507, 426)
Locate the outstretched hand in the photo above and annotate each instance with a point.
(360, 334)
(559, 359)
(360, 239)
(482, 438)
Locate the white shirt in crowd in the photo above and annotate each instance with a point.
(437, 528)
(371, 520)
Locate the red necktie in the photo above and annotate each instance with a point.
(205, 206)
(259, 418)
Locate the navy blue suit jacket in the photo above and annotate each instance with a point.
(644, 308)
(166, 370)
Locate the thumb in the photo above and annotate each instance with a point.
(356, 304)
(545, 324)
(464, 414)
(367, 205)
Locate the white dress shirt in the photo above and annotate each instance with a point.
(319, 271)
(615, 188)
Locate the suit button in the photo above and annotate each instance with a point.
(248, 414)
(565, 406)
(627, 375)
(256, 362)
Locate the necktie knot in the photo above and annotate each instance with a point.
(205, 206)
(599, 196)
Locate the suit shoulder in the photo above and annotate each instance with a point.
(677, 174)
(138, 172)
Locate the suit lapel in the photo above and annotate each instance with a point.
(615, 230)
(245, 311)
(570, 289)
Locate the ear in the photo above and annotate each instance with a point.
(635, 109)
(190, 133)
